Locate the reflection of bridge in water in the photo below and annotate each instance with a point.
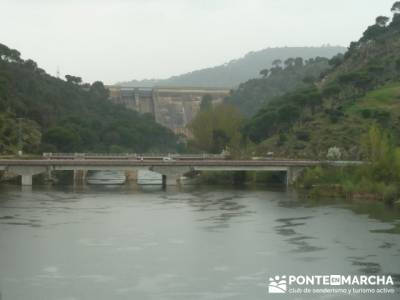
(171, 168)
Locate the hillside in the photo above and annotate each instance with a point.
(239, 70)
(285, 76)
(363, 88)
(43, 113)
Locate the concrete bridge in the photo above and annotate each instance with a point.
(170, 169)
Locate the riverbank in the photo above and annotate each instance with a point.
(364, 183)
(356, 182)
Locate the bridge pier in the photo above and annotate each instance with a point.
(80, 177)
(131, 177)
(170, 175)
(27, 173)
(292, 174)
(171, 180)
(26, 179)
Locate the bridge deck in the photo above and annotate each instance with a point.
(168, 168)
(148, 163)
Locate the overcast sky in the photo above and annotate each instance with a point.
(118, 40)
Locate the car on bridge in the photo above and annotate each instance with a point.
(167, 158)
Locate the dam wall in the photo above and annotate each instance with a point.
(172, 107)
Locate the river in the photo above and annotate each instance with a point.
(102, 242)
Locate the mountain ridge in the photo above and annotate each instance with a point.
(236, 71)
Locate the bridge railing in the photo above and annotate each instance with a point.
(155, 156)
(49, 155)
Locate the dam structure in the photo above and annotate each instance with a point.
(172, 107)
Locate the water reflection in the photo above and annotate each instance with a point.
(196, 243)
(301, 242)
(226, 209)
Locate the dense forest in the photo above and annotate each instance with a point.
(237, 71)
(39, 113)
(283, 77)
(362, 88)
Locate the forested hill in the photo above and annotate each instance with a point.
(361, 89)
(285, 76)
(42, 113)
(240, 70)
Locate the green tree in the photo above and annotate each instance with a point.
(73, 79)
(382, 21)
(264, 73)
(288, 114)
(214, 129)
(289, 62)
(277, 63)
(298, 62)
(375, 145)
(206, 102)
(99, 90)
(18, 134)
(396, 7)
(220, 140)
(261, 126)
(9, 55)
(314, 100)
(359, 80)
(64, 139)
(379, 150)
(336, 60)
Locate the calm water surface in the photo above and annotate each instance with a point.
(197, 243)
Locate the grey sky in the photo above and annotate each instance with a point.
(134, 39)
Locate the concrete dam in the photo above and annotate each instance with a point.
(172, 107)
